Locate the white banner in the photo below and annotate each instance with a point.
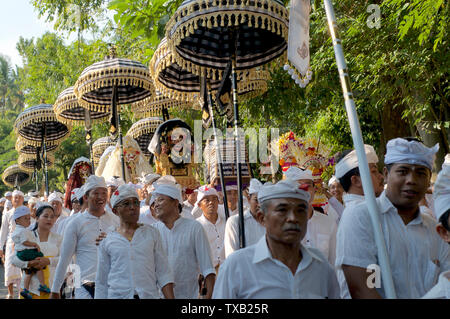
(298, 41)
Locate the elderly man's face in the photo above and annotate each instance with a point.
(232, 198)
(17, 200)
(209, 204)
(128, 210)
(407, 184)
(165, 206)
(285, 220)
(57, 207)
(254, 205)
(97, 198)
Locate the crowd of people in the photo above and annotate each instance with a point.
(157, 239)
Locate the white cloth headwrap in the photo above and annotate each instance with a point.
(171, 190)
(21, 211)
(166, 179)
(115, 181)
(78, 160)
(135, 186)
(94, 181)
(8, 194)
(286, 188)
(350, 161)
(40, 204)
(399, 150)
(33, 194)
(147, 179)
(80, 192)
(441, 192)
(231, 187)
(2, 200)
(332, 180)
(73, 194)
(295, 173)
(255, 186)
(54, 197)
(17, 192)
(33, 200)
(123, 192)
(205, 191)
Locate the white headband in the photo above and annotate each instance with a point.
(170, 190)
(17, 192)
(441, 192)
(94, 181)
(332, 180)
(285, 188)
(123, 192)
(399, 150)
(205, 191)
(54, 197)
(350, 161)
(295, 173)
(255, 186)
(21, 211)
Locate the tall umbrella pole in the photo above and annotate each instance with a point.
(237, 141)
(359, 147)
(116, 124)
(45, 161)
(88, 130)
(219, 155)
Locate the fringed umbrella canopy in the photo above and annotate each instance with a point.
(94, 87)
(204, 34)
(154, 106)
(99, 146)
(15, 176)
(24, 147)
(29, 163)
(69, 111)
(142, 131)
(37, 121)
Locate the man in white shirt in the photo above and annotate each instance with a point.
(189, 203)
(8, 204)
(253, 230)
(185, 242)
(441, 196)
(322, 228)
(57, 203)
(213, 223)
(12, 273)
(80, 237)
(278, 265)
(335, 200)
(132, 262)
(416, 253)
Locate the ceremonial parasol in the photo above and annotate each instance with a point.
(159, 105)
(69, 111)
(111, 82)
(14, 176)
(142, 131)
(208, 37)
(30, 163)
(99, 146)
(38, 126)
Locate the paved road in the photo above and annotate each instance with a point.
(3, 289)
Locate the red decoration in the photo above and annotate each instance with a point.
(304, 187)
(116, 193)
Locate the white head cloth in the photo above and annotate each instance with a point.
(350, 161)
(166, 179)
(94, 181)
(80, 192)
(205, 190)
(21, 211)
(73, 194)
(114, 181)
(40, 204)
(399, 150)
(123, 192)
(231, 187)
(149, 178)
(441, 192)
(17, 193)
(2, 200)
(255, 186)
(295, 173)
(171, 190)
(33, 194)
(332, 180)
(286, 188)
(54, 197)
(8, 194)
(33, 200)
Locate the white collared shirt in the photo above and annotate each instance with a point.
(215, 233)
(189, 255)
(334, 209)
(186, 213)
(188, 206)
(126, 268)
(79, 240)
(8, 226)
(57, 227)
(252, 273)
(20, 235)
(416, 252)
(321, 234)
(442, 288)
(352, 199)
(147, 218)
(253, 232)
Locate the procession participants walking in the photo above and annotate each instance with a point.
(253, 230)
(213, 223)
(8, 204)
(78, 206)
(335, 200)
(56, 202)
(185, 242)
(441, 198)
(416, 253)
(49, 244)
(322, 228)
(131, 262)
(80, 237)
(27, 249)
(12, 273)
(112, 183)
(278, 265)
(189, 203)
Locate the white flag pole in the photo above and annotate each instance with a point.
(369, 194)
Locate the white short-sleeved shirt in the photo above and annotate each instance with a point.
(442, 289)
(321, 234)
(20, 235)
(79, 240)
(252, 229)
(416, 253)
(126, 268)
(215, 234)
(189, 255)
(252, 273)
(147, 218)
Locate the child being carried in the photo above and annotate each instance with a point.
(27, 249)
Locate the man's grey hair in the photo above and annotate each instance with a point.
(264, 206)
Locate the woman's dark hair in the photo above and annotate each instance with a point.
(444, 219)
(39, 212)
(80, 201)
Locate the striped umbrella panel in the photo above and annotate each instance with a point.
(13, 173)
